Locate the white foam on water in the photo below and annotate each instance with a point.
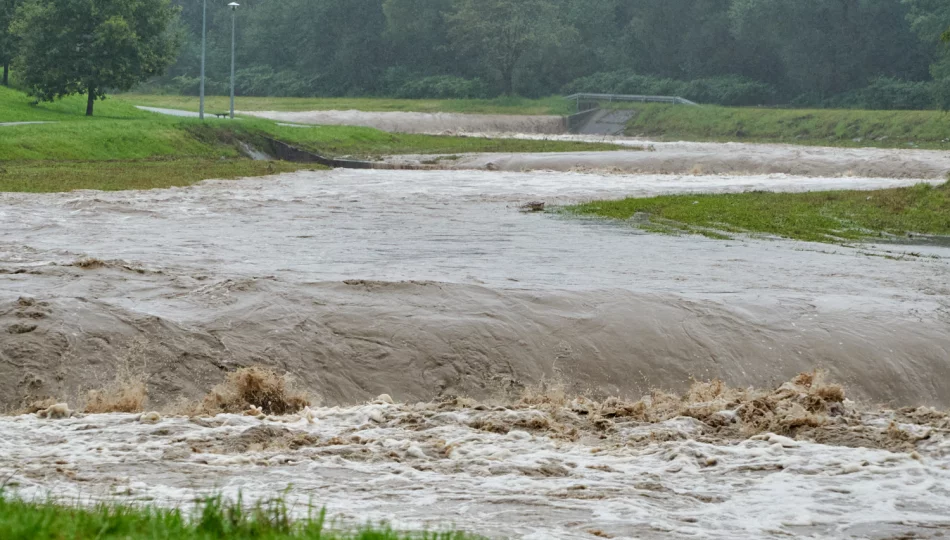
(448, 474)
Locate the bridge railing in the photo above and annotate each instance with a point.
(594, 99)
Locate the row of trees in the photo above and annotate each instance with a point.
(735, 51)
(805, 49)
(87, 47)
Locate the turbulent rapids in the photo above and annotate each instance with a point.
(714, 463)
(539, 376)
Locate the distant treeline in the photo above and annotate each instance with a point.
(839, 53)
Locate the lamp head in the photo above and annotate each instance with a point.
(233, 6)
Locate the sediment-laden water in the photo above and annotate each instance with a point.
(429, 284)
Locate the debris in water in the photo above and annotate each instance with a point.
(534, 206)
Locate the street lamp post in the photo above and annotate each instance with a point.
(204, 36)
(233, 6)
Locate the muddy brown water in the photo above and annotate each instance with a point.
(302, 272)
(423, 284)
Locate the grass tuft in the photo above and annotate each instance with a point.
(212, 519)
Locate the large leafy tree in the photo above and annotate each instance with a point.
(91, 46)
(500, 33)
(8, 42)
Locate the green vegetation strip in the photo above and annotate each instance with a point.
(503, 105)
(849, 128)
(125, 148)
(828, 216)
(212, 520)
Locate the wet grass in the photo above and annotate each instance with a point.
(212, 519)
(845, 128)
(828, 216)
(56, 176)
(369, 143)
(124, 148)
(546, 106)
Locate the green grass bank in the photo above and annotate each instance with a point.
(122, 147)
(829, 216)
(210, 520)
(826, 127)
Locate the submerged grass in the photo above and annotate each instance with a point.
(828, 216)
(554, 105)
(847, 128)
(212, 519)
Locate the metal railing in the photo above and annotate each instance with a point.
(610, 98)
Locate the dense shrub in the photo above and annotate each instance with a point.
(257, 81)
(730, 90)
(264, 81)
(941, 94)
(885, 93)
(190, 86)
(444, 87)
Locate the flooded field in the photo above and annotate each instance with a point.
(433, 287)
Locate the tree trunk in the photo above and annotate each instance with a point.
(91, 100)
(6, 74)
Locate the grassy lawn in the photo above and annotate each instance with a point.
(212, 520)
(553, 105)
(122, 147)
(830, 216)
(851, 128)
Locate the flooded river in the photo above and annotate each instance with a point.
(427, 284)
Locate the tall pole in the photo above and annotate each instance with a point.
(233, 17)
(204, 36)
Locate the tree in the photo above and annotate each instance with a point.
(8, 42)
(828, 47)
(499, 33)
(91, 46)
